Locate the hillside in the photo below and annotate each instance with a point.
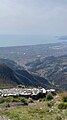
(12, 75)
(52, 68)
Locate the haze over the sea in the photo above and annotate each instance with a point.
(19, 40)
(24, 22)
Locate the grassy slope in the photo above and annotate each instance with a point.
(37, 111)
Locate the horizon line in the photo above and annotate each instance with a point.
(33, 44)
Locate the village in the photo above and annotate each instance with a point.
(25, 92)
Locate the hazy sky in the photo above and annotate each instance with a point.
(32, 17)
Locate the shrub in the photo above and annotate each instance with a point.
(42, 99)
(8, 105)
(9, 99)
(30, 100)
(2, 100)
(24, 101)
(21, 86)
(64, 96)
(62, 105)
(49, 96)
(16, 100)
(50, 104)
(58, 117)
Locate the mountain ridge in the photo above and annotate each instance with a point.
(15, 75)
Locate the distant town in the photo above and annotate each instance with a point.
(25, 92)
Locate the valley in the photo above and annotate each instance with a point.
(36, 65)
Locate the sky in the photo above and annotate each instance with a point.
(30, 21)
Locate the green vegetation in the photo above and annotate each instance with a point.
(24, 100)
(62, 105)
(59, 117)
(40, 111)
(49, 96)
(21, 86)
(30, 100)
(64, 96)
(12, 99)
(48, 108)
(2, 100)
(9, 99)
(50, 103)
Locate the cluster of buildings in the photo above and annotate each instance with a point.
(25, 92)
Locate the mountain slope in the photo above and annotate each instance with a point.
(52, 68)
(12, 75)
